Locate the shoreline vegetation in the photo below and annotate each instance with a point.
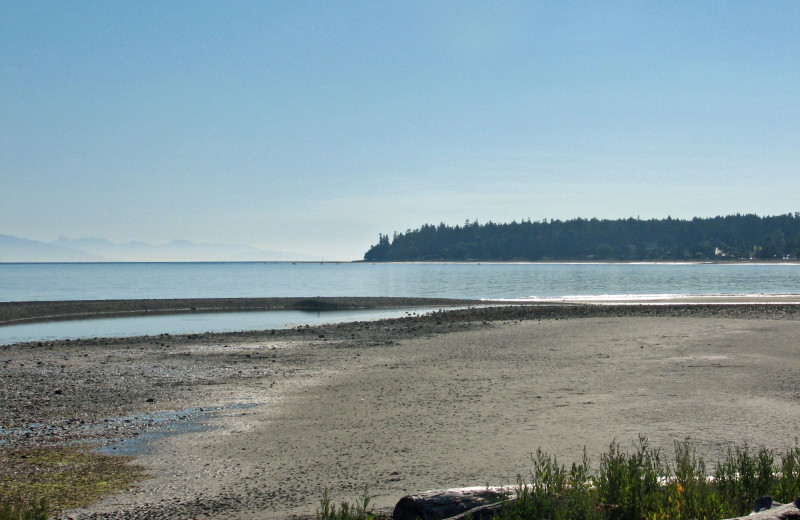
(35, 482)
(335, 406)
(641, 483)
(733, 237)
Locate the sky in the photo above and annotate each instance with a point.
(312, 127)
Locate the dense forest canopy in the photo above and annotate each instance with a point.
(731, 237)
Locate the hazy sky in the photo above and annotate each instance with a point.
(315, 126)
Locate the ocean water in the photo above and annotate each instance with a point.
(490, 281)
(97, 281)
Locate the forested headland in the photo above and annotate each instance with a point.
(733, 237)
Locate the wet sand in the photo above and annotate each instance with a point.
(452, 399)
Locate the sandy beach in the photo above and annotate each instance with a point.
(270, 419)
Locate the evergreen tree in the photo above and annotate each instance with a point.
(730, 237)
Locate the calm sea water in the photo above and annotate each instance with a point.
(42, 282)
(27, 282)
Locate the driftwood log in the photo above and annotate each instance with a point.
(766, 509)
(481, 502)
(485, 512)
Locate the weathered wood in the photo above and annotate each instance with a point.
(439, 504)
(766, 509)
(485, 512)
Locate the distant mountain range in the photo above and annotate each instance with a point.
(15, 249)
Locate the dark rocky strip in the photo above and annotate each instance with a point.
(777, 311)
(36, 311)
(29, 312)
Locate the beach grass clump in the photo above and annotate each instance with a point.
(553, 491)
(22, 510)
(788, 484)
(360, 510)
(642, 485)
(744, 472)
(55, 478)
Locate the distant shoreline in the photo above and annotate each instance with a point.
(733, 261)
(562, 261)
(719, 238)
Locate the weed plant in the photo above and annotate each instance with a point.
(360, 510)
(642, 485)
(22, 510)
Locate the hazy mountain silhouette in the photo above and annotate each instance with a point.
(13, 249)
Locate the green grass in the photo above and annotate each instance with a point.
(360, 510)
(638, 484)
(22, 510)
(642, 484)
(35, 481)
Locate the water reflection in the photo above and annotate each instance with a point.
(190, 323)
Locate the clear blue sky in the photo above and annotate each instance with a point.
(315, 126)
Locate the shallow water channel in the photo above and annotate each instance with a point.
(154, 427)
(192, 323)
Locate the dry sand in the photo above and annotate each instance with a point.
(407, 405)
